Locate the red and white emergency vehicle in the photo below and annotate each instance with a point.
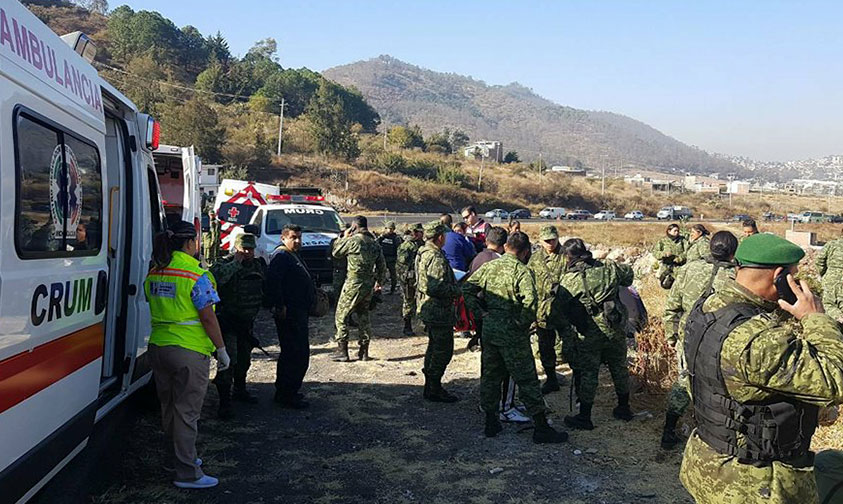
(236, 203)
(79, 205)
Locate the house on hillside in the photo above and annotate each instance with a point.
(209, 180)
(488, 149)
(568, 170)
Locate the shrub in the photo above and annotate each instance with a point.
(451, 175)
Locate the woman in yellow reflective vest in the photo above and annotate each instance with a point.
(185, 333)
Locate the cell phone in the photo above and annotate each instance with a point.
(783, 288)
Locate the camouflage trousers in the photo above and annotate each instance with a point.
(211, 252)
(336, 285)
(678, 398)
(393, 276)
(591, 353)
(498, 361)
(237, 336)
(355, 298)
(408, 293)
(440, 350)
(714, 478)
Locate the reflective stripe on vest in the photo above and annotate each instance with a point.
(175, 320)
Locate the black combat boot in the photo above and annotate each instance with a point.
(669, 437)
(363, 352)
(438, 394)
(551, 384)
(582, 420)
(622, 411)
(544, 433)
(341, 354)
(225, 412)
(493, 424)
(408, 327)
(242, 395)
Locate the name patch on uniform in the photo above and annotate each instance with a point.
(162, 289)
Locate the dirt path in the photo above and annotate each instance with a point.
(369, 437)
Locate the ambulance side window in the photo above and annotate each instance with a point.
(59, 192)
(154, 202)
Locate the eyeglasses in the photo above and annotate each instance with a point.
(466, 216)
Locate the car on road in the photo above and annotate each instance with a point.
(578, 215)
(808, 216)
(497, 213)
(605, 215)
(521, 213)
(740, 217)
(674, 212)
(834, 219)
(634, 215)
(552, 213)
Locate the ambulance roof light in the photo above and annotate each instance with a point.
(153, 133)
(81, 44)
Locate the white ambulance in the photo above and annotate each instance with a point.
(178, 171)
(79, 205)
(236, 203)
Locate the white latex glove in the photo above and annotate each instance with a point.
(223, 360)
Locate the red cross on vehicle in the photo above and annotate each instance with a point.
(233, 213)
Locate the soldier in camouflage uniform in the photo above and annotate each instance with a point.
(670, 252)
(698, 246)
(240, 283)
(547, 264)
(340, 266)
(693, 280)
(588, 296)
(830, 267)
(405, 266)
(211, 238)
(366, 273)
(757, 384)
(436, 292)
(389, 242)
(504, 292)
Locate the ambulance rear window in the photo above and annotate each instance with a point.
(59, 191)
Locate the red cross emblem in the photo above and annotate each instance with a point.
(233, 213)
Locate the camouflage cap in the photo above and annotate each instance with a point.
(765, 250)
(433, 228)
(548, 233)
(390, 225)
(418, 226)
(245, 240)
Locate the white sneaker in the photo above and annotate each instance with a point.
(514, 416)
(203, 482)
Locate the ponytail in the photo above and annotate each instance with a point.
(169, 241)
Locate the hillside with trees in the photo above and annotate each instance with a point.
(524, 121)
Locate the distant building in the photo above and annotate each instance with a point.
(568, 170)
(738, 187)
(697, 184)
(811, 186)
(489, 149)
(209, 180)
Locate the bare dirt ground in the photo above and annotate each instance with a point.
(369, 437)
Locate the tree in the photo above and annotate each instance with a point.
(406, 138)
(193, 51)
(439, 142)
(194, 123)
(511, 157)
(264, 49)
(99, 6)
(132, 34)
(330, 129)
(458, 139)
(218, 48)
(146, 93)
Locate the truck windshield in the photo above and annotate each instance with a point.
(309, 219)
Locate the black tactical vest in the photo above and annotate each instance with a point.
(776, 429)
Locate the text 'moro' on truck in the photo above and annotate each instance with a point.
(674, 212)
(79, 206)
(301, 206)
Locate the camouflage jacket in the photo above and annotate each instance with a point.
(436, 287)
(830, 258)
(240, 286)
(698, 249)
(503, 293)
(669, 251)
(211, 237)
(833, 300)
(590, 298)
(761, 359)
(366, 264)
(406, 261)
(547, 269)
(690, 284)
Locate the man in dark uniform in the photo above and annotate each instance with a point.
(389, 242)
(240, 283)
(290, 291)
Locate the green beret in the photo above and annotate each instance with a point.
(418, 226)
(245, 240)
(433, 228)
(548, 233)
(767, 249)
(390, 225)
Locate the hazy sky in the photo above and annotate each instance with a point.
(760, 79)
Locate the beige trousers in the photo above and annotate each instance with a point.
(181, 377)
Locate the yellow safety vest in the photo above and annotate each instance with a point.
(175, 321)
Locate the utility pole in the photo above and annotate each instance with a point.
(384, 138)
(280, 126)
(603, 182)
(731, 178)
